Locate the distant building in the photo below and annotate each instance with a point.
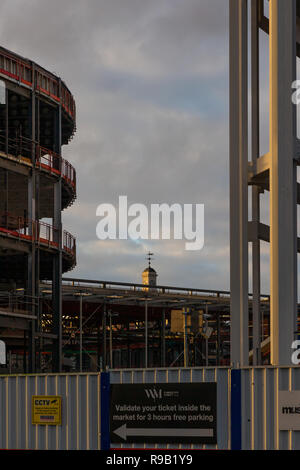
(149, 276)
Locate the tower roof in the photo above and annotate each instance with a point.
(149, 270)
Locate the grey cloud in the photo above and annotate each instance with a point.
(151, 87)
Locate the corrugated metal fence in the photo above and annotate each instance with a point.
(81, 413)
(259, 392)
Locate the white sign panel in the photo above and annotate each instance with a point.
(2, 353)
(289, 410)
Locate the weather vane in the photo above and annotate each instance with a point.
(149, 256)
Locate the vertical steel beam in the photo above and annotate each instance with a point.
(104, 336)
(57, 258)
(146, 334)
(6, 191)
(283, 226)
(6, 208)
(218, 340)
(163, 338)
(36, 104)
(256, 276)
(239, 182)
(6, 119)
(24, 355)
(128, 346)
(99, 341)
(80, 333)
(185, 340)
(206, 338)
(31, 263)
(110, 341)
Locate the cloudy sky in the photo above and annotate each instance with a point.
(150, 79)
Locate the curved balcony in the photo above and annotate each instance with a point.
(43, 234)
(21, 149)
(21, 71)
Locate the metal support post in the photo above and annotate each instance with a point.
(239, 182)
(163, 338)
(80, 333)
(185, 337)
(256, 307)
(57, 258)
(31, 264)
(146, 334)
(104, 337)
(283, 214)
(218, 339)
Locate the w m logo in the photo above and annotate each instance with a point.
(153, 393)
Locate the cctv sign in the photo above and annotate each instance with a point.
(46, 409)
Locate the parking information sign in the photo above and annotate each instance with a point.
(46, 409)
(164, 413)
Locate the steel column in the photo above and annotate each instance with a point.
(57, 258)
(80, 333)
(146, 334)
(256, 313)
(104, 336)
(239, 182)
(206, 338)
(31, 217)
(283, 215)
(110, 342)
(6, 119)
(218, 339)
(163, 339)
(185, 341)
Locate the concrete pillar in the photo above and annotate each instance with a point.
(239, 182)
(283, 215)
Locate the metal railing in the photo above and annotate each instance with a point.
(47, 84)
(69, 243)
(159, 289)
(23, 148)
(38, 231)
(17, 301)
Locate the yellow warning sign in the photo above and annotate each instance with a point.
(46, 409)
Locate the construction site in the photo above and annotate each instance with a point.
(54, 323)
(77, 325)
(93, 349)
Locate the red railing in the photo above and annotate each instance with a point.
(21, 147)
(69, 243)
(52, 162)
(46, 83)
(41, 232)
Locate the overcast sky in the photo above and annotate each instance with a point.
(150, 80)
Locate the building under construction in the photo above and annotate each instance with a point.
(169, 339)
(50, 325)
(37, 117)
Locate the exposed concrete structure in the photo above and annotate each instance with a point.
(274, 172)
